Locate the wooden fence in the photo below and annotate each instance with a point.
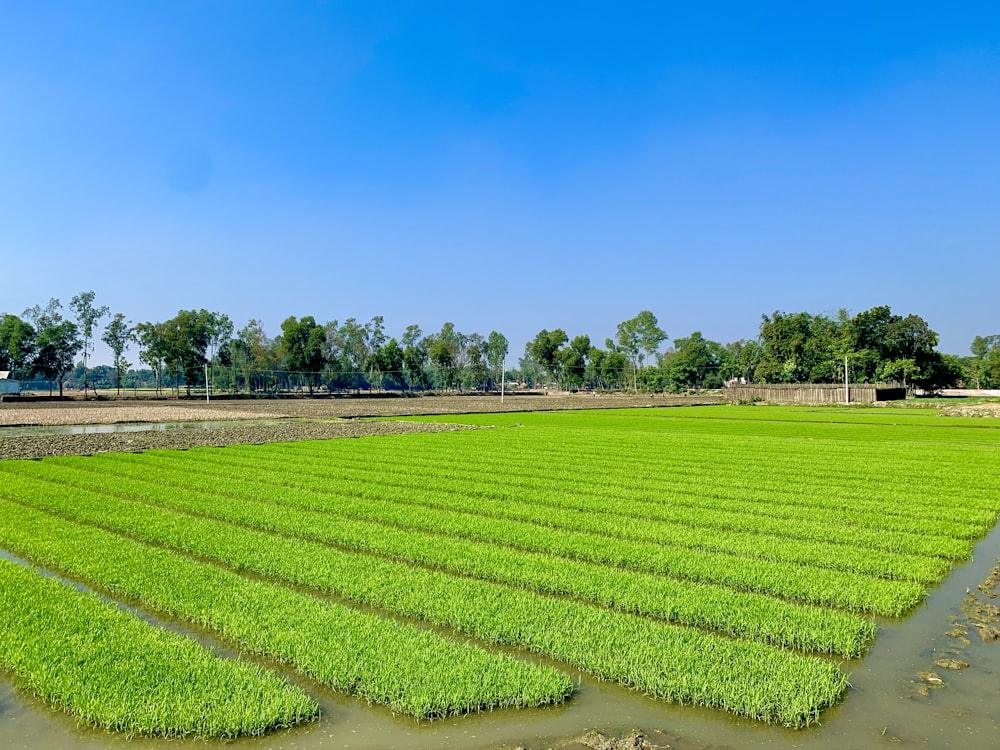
(813, 393)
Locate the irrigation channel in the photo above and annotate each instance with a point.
(889, 705)
(884, 709)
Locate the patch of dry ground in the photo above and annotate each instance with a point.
(49, 414)
(290, 419)
(987, 409)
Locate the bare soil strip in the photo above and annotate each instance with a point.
(308, 419)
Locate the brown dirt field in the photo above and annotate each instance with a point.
(987, 409)
(289, 419)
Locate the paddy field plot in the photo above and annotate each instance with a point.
(733, 558)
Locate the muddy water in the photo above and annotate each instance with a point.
(883, 708)
(103, 429)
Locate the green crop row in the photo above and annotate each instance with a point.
(112, 670)
(878, 563)
(819, 464)
(795, 582)
(891, 426)
(740, 613)
(330, 473)
(889, 472)
(667, 661)
(656, 478)
(411, 670)
(531, 464)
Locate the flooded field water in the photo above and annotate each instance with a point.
(107, 429)
(884, 707)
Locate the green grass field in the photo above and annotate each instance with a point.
(730, 557)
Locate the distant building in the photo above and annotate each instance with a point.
(8, 386)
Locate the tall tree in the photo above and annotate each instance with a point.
(986, 365)
(445, 350)
(477, 371)
(153, 349)
(637, 338)
(739, 360)
(389, 363)
(649, 334)
(414, 357)
(220, 332)
(301, 348)
(17, 344)
(58, 341)
(187, 339)
(249, 356)
(544, 349)
(694, 362)
(117, 335)
(573, 360)
(375, 335)
(496, 353)
(887, 346)
(349, 343)
(799, 348)
(87, 317)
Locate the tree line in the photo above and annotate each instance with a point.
(196, 348)
(873, 346)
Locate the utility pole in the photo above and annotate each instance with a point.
(847, 388)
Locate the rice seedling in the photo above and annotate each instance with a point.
(411, 670)
(114, 671)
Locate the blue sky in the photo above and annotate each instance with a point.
(508, 166)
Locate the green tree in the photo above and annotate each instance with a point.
(350, 344)
(117, 335)
(798, 348)
(476, 371)
(694, 362)
(57, 342)
(496, 353)
(185, 342)
(444, 350)
(250, 357)
(375, 336)
(301, 349)
(574, 361)
(153, 349)
(530, 371)
(87, 317)
(17, 345)
(638, 338)
(443, 357)
(986, 365)
(649, 334)
(739, 360)
(544, 349)
(650, 380)
(389, 363)
(415, 356)
(939, 371)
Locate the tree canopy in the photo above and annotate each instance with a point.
(799, 347)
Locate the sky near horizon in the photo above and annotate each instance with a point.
(504, 166)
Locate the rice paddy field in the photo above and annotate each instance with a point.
(723, 576)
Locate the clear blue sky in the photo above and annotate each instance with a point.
(508, 166)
